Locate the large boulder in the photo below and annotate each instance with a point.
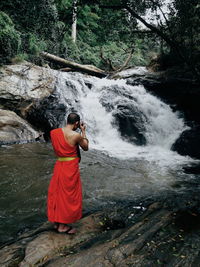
(14, 129)
(22, 84)
(174, 86)
(47, 114)
(50, 112)
(189, 143)
(130, 124)
(127, 117)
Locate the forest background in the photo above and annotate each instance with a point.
(103, 33)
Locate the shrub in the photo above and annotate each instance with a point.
(10, 39)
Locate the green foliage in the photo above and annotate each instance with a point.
(35, 45)
(35, 16)
(29, 26)
(117, 52)
(5, 20)
(46, 25)
(10, 39)
(19, 58)
(64, 9)
(186, 32)
(69, 49)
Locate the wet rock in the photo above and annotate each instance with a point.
(51, 112)
(40, 95)
(176, 87)
(128, 118)
(158, 236)
(44, 243)
(188, 143)
(22, 84)
(14, 129)
(115, 252)
(11, 255)
(130, 124)
(47, 114)
(130, 72)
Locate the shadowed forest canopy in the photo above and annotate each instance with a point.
(102, 33)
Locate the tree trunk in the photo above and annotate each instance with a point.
(74, 21)
(89, 69)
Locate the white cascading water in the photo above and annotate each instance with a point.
(162, 127)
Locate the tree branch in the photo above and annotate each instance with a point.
(164, 16)
(126, 61)
(151, 27)
(108, 61)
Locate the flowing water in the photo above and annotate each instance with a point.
(114, 170)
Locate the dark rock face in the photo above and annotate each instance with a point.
(50, 112)
(128, 119)
(189, 143)
(181, 93)
(129, 124)
(47, 114)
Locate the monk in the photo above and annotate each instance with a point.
(64, 204)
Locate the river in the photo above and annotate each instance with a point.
(122, 165)
(26, 169)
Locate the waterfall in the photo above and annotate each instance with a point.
(104, 104)
(161, 126)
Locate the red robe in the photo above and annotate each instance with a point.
(64, 204)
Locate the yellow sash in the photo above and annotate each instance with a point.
(66, 158)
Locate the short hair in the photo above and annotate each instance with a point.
(73, 118)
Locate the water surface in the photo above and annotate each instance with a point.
(26, 169)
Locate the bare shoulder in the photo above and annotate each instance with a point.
(76, 136)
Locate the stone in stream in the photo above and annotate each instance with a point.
(14, 129)
(127, 118)
(189, 143)
(130, 123)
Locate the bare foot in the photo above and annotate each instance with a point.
(63, 228)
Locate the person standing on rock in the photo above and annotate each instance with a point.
(64, 202)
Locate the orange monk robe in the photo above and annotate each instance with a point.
(64, 204)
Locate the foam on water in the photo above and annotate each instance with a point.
(162, 128)
(162, 125)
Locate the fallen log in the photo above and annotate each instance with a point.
(89, 69)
